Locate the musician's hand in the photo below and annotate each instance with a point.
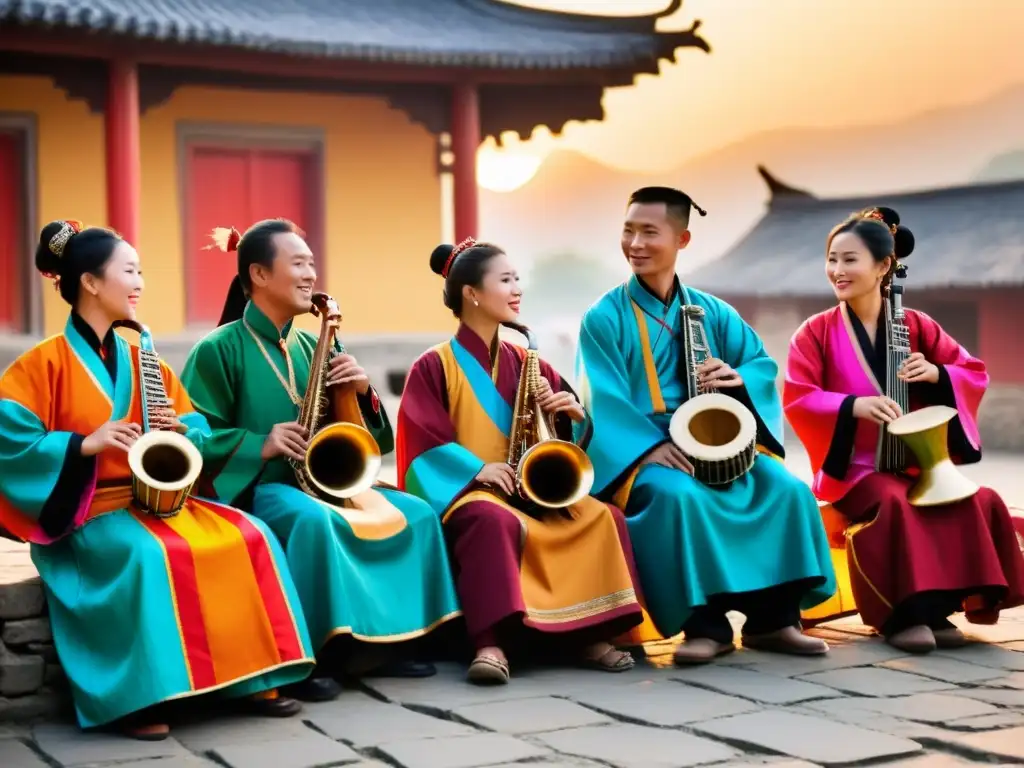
(559, 402)
(916, 368)
(288, 439)
(167, 418)
(497, 475)
(345, 370)
(878, 409)
(715, 374)
(669, 455)
(114, 434)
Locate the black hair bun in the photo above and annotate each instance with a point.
(439, 257)
(904, 243)
(47, 262)
(889, 215)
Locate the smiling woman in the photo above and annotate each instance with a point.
(503, 170)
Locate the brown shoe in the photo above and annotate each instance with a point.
(950, 637)
(700, 650)
(146, 731)
(789, 640)
(917, 639)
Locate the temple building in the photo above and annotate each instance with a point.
(967, 271)
(163, 120)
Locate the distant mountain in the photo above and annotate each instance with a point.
(1008, 166)
(574, 204)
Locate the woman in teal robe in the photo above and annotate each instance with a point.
(371, 573)
(757, 545)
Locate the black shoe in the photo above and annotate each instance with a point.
(404, 669)
(282, 706)
(313, 689)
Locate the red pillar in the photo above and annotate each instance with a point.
(123, 163)
(465, 142)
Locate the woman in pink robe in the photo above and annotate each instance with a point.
(910, 567)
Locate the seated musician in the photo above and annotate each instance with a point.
(911, 567)
(525, 574)
(755, 545)
(135, 600)
(372, 571)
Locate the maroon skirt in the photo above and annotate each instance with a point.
(897, 550)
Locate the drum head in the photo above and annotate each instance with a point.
(712, 427)
(918, 421)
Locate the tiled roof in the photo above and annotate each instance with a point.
(967, 236)
(458, 33)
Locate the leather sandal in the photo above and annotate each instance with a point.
(612, 660)
(488, 669)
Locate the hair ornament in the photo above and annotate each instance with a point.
(466, 244)
(877, 216)
(59, 241)
(225, 238)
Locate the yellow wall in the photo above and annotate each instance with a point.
(382, 207)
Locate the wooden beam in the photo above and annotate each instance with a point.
(76, 44)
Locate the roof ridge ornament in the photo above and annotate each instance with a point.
(777, 188)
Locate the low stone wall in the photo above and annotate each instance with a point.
(32, 683)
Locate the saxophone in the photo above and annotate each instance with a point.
(924, 431)
(342, 458)
(550, 473)
(164, 464)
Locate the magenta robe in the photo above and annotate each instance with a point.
(897, 550)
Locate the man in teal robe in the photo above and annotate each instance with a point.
(756, 545)
(371, 572)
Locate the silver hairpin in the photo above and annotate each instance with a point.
(59, 241)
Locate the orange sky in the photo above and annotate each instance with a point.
(779, 63)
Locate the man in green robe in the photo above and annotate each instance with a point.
(372, 571)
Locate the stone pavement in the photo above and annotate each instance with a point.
(863, 703)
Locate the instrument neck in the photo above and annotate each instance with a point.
(891, 450)
(695, 347)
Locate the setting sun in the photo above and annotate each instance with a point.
(503, 170)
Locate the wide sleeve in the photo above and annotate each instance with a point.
(431, 464)
(46, 485)
(741, 348)
(823, 421)
(622, 435)
(963, 380)
(232, 457)
(565, 428)
(375, 417)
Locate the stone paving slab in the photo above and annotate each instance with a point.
(69, 747)
(945, 668)
(923, 707)
(462, 751)
(531, 715)
(363, 722)
(754, 685)
(875, 681)
(809, 738)
(665, 703)
(635, 746)
(310, 751)
(15, 754)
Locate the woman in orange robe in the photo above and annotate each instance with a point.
(144, 609)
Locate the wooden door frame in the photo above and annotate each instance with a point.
(241, 136)
(24, 125)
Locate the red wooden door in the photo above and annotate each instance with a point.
(13, 255)
(236, 187)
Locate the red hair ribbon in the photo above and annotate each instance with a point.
(469, 242)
